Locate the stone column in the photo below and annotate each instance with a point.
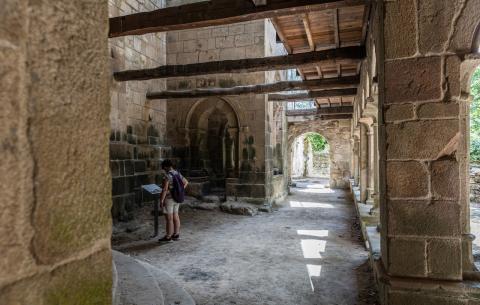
(356, 157)
(376, 187)
(420, 94)
(55, 182)
(371, 165)
(363, 163)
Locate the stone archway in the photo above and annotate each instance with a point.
(306, 161)
(337, 134)
(213, 140)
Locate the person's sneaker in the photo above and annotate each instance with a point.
(175, 236)
(165, 239)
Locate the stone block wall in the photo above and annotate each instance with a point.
(138, 135)
(254, 116)
(54, 177)
(425, 146)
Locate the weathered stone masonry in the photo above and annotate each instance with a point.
(138, 137)
(254, 131)
(55, 222)
(421, 52)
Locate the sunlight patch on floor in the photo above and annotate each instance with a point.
(316, 191)
(312, 248)
(313, 271)
(318, 205)
(315, 233)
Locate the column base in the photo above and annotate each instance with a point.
(412, 291)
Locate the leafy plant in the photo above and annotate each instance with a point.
(318, 142)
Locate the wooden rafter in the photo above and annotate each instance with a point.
(244, 65)
(335, 110)
(312, 95)
(336, 28)
(216, 12)
(336, 117)
(319, 71)
(280, 34)
(318, 84)
(308, 30)
(259, 2)
(366, 20)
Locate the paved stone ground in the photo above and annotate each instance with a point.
(308, 252)
(475, 229)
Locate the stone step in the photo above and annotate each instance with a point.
(173, 293)
(135, 284)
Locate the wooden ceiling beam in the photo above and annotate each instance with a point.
(308, 30)
(319, 71)
(336, 117)
(312, 94)
(259, 2)
(336, 28)
(244, 65)
(216, 12)
(280, 34)
(335, 110)
(317, 84)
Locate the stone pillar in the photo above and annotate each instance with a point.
(55, 182)
(363, 163)
(371, 165)
(356, 156)
(421, 209)
(376, 186)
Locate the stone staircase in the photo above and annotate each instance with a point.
(138, 283)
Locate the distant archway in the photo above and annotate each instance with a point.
(310, 156)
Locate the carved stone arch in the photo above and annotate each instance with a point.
(213, 120)
(238, 114)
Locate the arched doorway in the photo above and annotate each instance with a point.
(212, 138)
(310, 156)
(475, 164)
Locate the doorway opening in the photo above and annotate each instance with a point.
(311, 156)
(475, 164)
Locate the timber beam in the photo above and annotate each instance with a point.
(318, 84)
(312, 95)
(336, 117)
(335, 110)
(348, 54)
(216, 12)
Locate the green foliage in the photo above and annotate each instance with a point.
(318, 142)
(475, 118)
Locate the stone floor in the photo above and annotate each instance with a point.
(475, 229)
(308, 252)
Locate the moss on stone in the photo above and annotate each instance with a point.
(85, 292)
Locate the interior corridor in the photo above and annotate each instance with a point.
(305, 253)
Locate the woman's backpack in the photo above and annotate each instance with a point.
(178, 190)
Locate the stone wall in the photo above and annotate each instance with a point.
(425, 148)
(138, 136)
(337, 134)
(320, 164)
(54, 177)
(251, 119)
